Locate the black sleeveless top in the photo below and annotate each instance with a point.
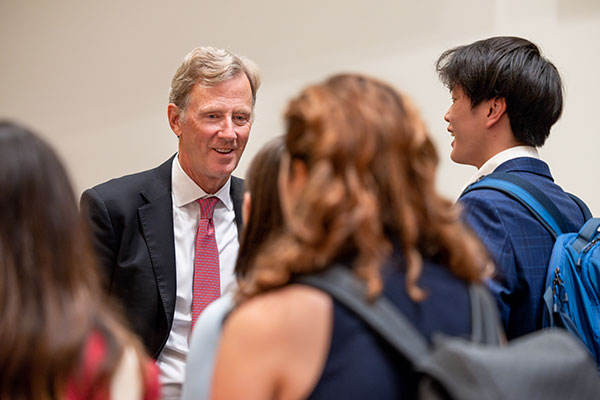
(360, 365)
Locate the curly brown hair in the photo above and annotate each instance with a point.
(371, 179)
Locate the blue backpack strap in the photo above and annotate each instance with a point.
(586, 234)
(532, 198)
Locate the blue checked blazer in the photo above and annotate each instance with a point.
(518, 243)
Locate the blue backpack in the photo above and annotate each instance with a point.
(572, 295)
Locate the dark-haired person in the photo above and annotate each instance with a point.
(262, 222)
(59, 339)
(357, 185)
(505, 98)
(167, 238)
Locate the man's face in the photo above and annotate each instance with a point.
(213, 130)
(467, 127)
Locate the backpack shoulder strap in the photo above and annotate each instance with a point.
(586, 234)
(485, 319)
(381, 315)
(385, 318)
(532, 198)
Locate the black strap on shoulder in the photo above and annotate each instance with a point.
(381, 315)
(485, 319)
(385, 318)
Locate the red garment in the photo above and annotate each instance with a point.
(80, 389)
(207, 286)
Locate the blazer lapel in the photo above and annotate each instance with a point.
(156, 223)
(237, 196)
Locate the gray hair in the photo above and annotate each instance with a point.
(210, 66)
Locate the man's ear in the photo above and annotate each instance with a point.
(496, 108)
(174, 114)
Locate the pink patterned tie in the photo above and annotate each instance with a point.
(207, 285)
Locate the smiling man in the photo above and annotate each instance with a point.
(167, 238)
(505, 98)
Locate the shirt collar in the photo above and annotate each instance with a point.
(490, 165)
(186, 191)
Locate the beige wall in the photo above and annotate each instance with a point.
(93, 76)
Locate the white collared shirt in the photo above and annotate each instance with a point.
(186, 212)
(490, 165)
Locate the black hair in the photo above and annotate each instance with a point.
(512, 68)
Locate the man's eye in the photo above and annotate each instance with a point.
(240, 118)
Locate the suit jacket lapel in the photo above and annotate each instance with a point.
(156, 223)
(237, 195)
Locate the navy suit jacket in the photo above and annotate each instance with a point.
(519, 245)
(131, 221)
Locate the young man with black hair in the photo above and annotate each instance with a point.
(505, 98)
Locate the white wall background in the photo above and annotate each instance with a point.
(93, 76)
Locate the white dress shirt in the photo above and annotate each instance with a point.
(186, 212)
(490, 165)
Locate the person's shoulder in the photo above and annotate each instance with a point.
(133, 183)
(237, 185)
(236, 181)
(281, 312)
(275, 342)
(291, 300)
(486, 199)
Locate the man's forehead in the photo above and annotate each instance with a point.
(213, 97)
(215, 104)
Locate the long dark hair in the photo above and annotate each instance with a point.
(265, 220)
(50, 298)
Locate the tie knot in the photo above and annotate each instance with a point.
(207, 207)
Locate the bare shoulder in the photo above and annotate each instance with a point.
(276, 343)
(281, 311)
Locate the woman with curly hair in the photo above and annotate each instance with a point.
(59, 339)
(357, 187)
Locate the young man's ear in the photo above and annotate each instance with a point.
(496, 109)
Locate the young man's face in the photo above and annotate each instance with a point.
(467, 127)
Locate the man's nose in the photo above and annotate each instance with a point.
(227, 129)
(447, 116)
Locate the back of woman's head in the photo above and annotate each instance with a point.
(370, 180)
(265, 218)
(49, 289)
(41, 235)
(360, 134)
